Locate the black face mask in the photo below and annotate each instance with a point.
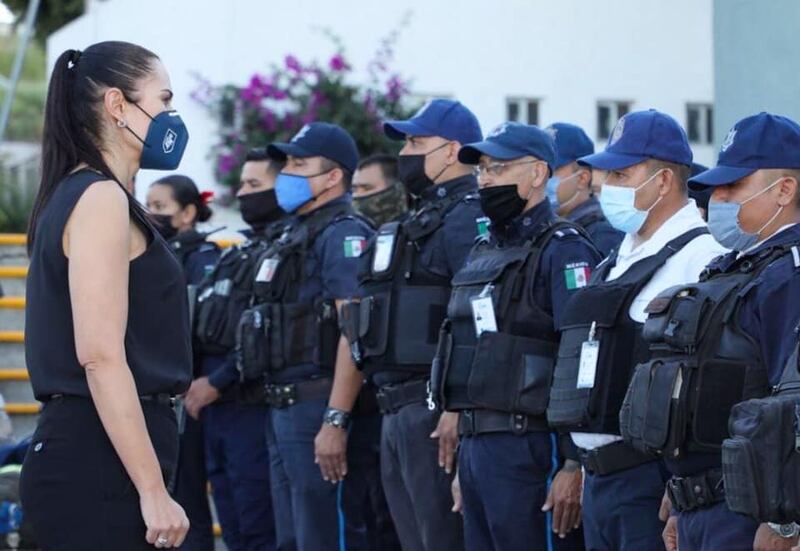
(411, 171)
(163, 223)
(501, 203)
(260, 208)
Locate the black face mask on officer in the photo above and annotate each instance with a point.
(411, 170)
(260, 208)
(501, 203)
(163, 223)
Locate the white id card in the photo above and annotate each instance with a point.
(267, 270)
(483, 315)
(587, 369)
(384, 245)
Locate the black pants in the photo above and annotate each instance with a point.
(74, 488)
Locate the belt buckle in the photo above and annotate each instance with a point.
(281, 396)
(518, 423)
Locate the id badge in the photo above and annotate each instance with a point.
(483, 312)
(267, 270)
(384, 245)
(587, 369)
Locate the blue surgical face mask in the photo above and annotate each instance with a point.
(294, 191)
(618, 204)
(165, 142)
(551, 190)
(723, 223)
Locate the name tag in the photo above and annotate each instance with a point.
(267, 270)
(483, 312)
(587, 366)
(384, 245)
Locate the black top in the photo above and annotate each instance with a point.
(157, 338)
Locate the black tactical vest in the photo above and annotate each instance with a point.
(599, 313)
(282, 329)
(509, 369)
(702, 363)
(395, 327)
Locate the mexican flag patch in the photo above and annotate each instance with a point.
(577, 275)
(483, 224)
(354, 245)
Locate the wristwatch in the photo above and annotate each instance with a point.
(336, 418)
(790, 530)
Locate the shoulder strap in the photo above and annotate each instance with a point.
(430, 217)
(590, 218)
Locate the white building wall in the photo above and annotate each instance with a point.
(567, 53)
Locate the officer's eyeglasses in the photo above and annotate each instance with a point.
(496, 169)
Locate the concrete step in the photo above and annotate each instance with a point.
(12, 355)
(12, 313)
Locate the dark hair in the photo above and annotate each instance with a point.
(73, 127)
(185, 192)
(680, 172)
(388, 164)
(347, 176)
(259, 154)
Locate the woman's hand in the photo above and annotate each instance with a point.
(166, 521)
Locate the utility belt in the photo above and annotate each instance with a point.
(281, 396)
(612, 458)
(274, 336)
(696, 492)
(161, 399)
(392, 398)
(472, 422)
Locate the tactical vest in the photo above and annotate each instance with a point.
(589, 400)
(282, 328)
(508, 369)
(224, 294)
(183, 245)
(395, 326)
(702, 363)
(761, 459)
(590, 218)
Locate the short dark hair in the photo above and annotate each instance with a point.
(680, 172)
(347, 176)
(388, 164)
(259, 155)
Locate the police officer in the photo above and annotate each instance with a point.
(378, 193)
(727, 338)
(497, 348)
(291, 337)
(570, 188)
(177, 206)
(405, 280)
(237, 459)
(666, 243)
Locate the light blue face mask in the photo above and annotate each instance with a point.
(293, 191)
(723, 223)
(551, 190)
(618, 204)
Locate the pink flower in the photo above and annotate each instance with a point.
(338, 63)
(293, 64)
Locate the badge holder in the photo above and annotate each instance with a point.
(587, 367)
(483, 311)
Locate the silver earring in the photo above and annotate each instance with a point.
(121, 123)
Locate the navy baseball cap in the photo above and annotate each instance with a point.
(703, 195)
(639, 136)
(319, 139)
(439, 117)
(572, 143)
(755, 142)
(511, 140)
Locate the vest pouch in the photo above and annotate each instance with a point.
(441, 364)
(674, 317)
(420, 333)
(210, 322)
(511, 373)
(298, 335)
(252, 348)
(328, 327)
(720, 385)
(374, 312)
(742, 478)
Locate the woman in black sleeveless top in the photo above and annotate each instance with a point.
(107, 331)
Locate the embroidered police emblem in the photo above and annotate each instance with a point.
(551, 131)
(728, 140)
(303, 131)
(617, 133)
(499, 130)
(169, 141)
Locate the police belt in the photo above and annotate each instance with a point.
(162, 399)
(472, 422)
(612, 458)
(696, 492)
(288, 394)
(392, 398)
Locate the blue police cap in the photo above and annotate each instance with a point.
(439, 117)
(572, 143)
(755, 142)
(639, 136)
(319, 139)
(512, 140)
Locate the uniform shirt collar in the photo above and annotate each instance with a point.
(330, 204)
(590, 206)
(789, 233)
(465, 183)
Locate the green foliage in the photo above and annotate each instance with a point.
(53, 14)
(27, 112)
(16, 203)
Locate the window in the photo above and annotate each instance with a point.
(522, 110)
(700, 123)
(608, 113)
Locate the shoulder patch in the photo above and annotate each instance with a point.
(566, 232)
(483, 224)
(354, 245)
(576, 275)
(796, 256)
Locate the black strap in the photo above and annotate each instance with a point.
(430, 217)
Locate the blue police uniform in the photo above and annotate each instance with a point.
(236, 457)
(590, 217)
